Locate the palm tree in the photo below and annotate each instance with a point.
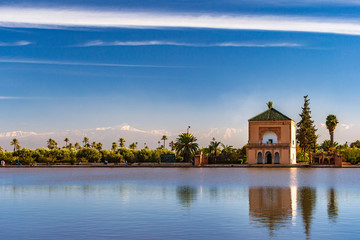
(227, 148)
(164, 138)
(1, 149)
(186, 146)
(77, 145)
(86, 141)
(66, 140)
(159, 143)
(15, 143)
(133, 146)
(70, 146)
(122, 142)
(172, 145)
(99, 146)
(331, 123)
(114, 146)
(214, 147)
(94, 144)
(51, 143)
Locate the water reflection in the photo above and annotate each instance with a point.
(186, 195)
(276, 207)
(271, 207)
(332, 205)
(307, 199)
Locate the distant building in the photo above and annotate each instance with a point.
(272, 138)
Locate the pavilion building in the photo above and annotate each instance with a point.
(272, 138)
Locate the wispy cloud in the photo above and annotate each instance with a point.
(128, 128)
(17, 134)
(53, 18)
(99, 43)
(15, 44)
(210, 133)
(304, 2)
(49, 62)
(229, 132)
(123, 127)
(346, 126)
(9, 97)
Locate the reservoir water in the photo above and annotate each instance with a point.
(179, 203)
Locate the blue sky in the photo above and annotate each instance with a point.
(147, 68)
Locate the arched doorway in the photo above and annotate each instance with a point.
(268, 158)
(277, 158)
(259, 158)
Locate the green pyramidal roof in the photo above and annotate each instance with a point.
(270, 115)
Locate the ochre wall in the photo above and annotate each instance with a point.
(255, 127)
(286, 133)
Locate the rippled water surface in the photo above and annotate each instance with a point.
(179, 203)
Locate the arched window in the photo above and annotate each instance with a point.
(270, 138)
(277, 158)
(259, 158)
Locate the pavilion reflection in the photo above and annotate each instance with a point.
(277, 207)
(271, 207)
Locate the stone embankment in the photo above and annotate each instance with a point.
(177, 165)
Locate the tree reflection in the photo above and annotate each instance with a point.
(307, 205)
(186, 195)
(214, 193)
(270, 207)
(332, 205)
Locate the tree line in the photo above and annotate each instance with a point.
(184, 149)
(85, 153)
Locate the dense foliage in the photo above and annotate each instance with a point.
(83, 155)
(185, 148)
(349, 154)
(227, 154)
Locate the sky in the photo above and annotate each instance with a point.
(143, 69)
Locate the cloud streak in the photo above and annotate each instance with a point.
(20, 17)
(9, 98)
(305, 2)
(49, 62)
(229, 132)
(128, 128)
(15, 44)
(100, 43)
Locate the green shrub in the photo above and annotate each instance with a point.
(111, 156)
(89, 154)
(127, 154)
(300, 157)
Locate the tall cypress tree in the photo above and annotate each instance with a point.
(306, 131)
